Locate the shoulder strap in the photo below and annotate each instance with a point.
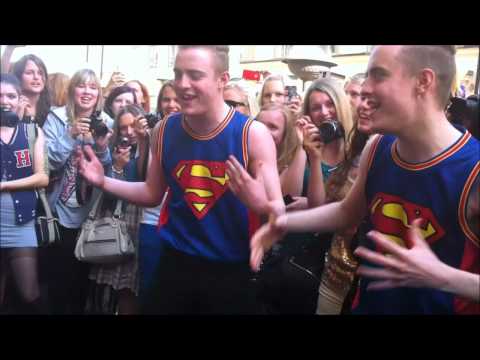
(32, 133)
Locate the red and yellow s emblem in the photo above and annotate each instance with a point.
(204, 182)
(392, 216)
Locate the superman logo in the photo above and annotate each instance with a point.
(204, 182)
(392, 216)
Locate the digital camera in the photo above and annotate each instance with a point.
(123, 142)
(97, 127)
(331, 130)
(8, 118)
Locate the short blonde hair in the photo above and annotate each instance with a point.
(220, 52)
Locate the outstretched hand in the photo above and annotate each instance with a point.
(251, 191)
(268, 234)
(416, 266)
(89, 166)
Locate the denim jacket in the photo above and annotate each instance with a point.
(60, 146)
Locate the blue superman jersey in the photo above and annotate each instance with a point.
(436, 191)
(202, 217)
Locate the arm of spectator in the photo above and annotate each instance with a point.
(326, 218)
(299, 203)
(314, 147)
(39, 179)
(7, 55)
(291, 178)
(416, 266)
(117, 79)
(60, 142)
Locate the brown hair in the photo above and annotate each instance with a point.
(169, 84)
(146, 96)
(290, 142)
(220, 52)
(439, 58)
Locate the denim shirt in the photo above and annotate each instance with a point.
(60, 146)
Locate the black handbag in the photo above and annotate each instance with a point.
(289, 279)
(46, 224)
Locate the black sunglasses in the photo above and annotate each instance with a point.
(234, 103)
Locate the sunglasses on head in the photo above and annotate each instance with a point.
(234, 103)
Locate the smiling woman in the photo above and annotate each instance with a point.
(66, 128)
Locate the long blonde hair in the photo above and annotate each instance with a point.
(81, 77)
(333, 88)
(290, 141)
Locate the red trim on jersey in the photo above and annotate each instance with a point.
(159, 149)
(462, 206)
(470, 263)
(245, 141)
(214, 133)
(421, 166)
(163, 218)
(373, 150)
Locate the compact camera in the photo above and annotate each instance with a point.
(97, 127)
(8, 118)
(331, 130)
(123, 142)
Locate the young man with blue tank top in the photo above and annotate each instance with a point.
(206, 228)
(417, 188)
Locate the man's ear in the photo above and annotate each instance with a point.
(223, 79)
(425, 79)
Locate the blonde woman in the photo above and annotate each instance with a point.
(66, 128)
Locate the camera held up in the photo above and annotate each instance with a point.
(331, 130)
(97, 126)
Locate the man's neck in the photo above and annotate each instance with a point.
(206, 123)
(432, 136)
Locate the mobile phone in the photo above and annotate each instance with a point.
(288, 199)
(291, 92)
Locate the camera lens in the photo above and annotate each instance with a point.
(330, 130)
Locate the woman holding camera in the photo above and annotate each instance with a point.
(79, 122)
(21, 173)
(130, 139)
